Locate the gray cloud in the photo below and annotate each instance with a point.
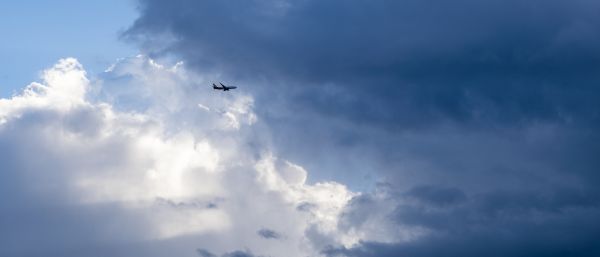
(364, 73)
(396, 64)
(238, 254)
(268, 234)
(496, 223)
(437, 196)
(481, 117)
(206, 253)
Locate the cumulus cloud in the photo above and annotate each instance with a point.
(126, 164)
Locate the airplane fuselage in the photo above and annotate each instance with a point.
(223, 87)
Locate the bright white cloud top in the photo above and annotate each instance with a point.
(147, 160)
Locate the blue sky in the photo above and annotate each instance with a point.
(357, 129)
(37, 33)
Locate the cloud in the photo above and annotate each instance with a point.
(268, 234)
(496, 223)
(86, 172)
(398, 65)
(437, 196)
(477, 118)
(378, 81)
(205, 253)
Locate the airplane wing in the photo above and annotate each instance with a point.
(217, 87)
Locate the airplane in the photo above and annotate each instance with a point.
(223, 87)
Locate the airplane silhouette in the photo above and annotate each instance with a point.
(223, 87)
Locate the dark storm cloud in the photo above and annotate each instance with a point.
(482, 116)
(498, 223)
(487, 243)
(398, 63)
(437, 196)
(362, 72)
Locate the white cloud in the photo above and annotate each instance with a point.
(64, 87)
(155, 143)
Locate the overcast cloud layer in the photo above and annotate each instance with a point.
(478, 119)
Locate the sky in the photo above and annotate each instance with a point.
(358, 128)
(35, 34)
